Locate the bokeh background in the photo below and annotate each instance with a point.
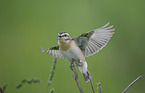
(27, 25)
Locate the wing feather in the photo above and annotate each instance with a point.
(93, 46)
(93, 41)
(54, 51)
(100, 38)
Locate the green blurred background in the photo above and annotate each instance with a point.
(27, 25)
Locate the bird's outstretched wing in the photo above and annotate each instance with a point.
(54, 51)
(93, 41)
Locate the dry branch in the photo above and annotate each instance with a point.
(100, 88)
(1, 90)
(76, 77)
(131, 84)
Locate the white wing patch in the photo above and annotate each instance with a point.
(55, 53)
(52, 52)
(99, 39)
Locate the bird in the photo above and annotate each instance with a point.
(82, 46)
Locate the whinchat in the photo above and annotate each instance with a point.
(82, 46)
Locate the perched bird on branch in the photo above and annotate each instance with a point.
(80, 47)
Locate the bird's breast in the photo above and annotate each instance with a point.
(73, 52)
(63, 46)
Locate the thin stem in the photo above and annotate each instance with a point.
(51, 73)
(131, 84)
(76, 77)
(1, 90)
(29, 81)
(100, 88)
(92, 85)
(52, 90)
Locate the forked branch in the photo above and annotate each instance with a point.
(76, 76)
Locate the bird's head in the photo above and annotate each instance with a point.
(63, 35)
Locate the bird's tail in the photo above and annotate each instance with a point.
(85, 72)
(86, 76)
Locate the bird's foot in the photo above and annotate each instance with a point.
(71, 66)
(78, 63)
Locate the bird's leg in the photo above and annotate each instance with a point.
(73, 60)
(79, 62)
(71, 66)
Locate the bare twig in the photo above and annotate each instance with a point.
(76, 77)
(100, 88)
(131, 84)
(92, 85)
(1, 90)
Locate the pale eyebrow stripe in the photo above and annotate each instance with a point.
(65, 34)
